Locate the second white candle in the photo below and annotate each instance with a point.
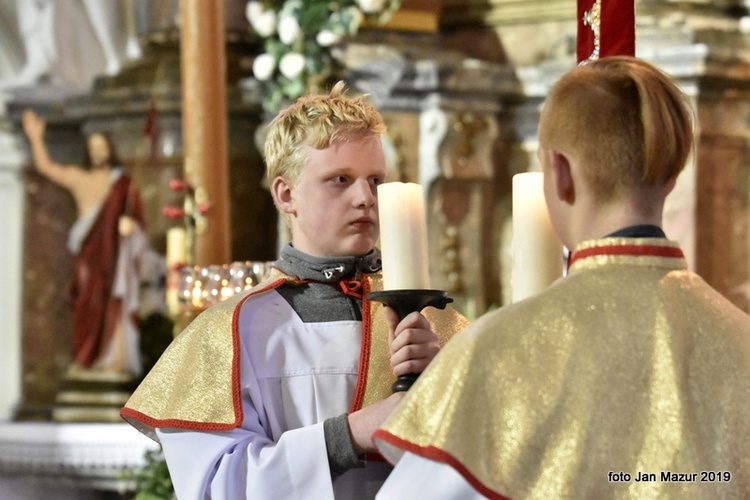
(537, 252)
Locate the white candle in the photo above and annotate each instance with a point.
(176, 258)
(537, 252)
(403, 236)
(176, 247)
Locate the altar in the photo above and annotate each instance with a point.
(69, 460)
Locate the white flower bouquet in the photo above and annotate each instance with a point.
(297, 37)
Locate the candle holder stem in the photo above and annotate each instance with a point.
(405, 302)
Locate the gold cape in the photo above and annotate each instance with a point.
(195, 383)
(630, 364)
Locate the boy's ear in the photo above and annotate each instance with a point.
(282, 194)
(562, 176)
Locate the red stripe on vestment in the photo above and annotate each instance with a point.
(236, 385)
(438, 455)
(364, 352)
(634, 250)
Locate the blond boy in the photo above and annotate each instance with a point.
(288, 388)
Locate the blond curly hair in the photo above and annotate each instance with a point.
(317, 121)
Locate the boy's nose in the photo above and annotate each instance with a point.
(365, 194)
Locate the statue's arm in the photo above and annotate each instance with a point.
(34, 127)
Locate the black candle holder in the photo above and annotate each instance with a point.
(405, 302)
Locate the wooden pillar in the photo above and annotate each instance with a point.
(204, 124)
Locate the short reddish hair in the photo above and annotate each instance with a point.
(628, 122)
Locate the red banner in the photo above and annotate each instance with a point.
(611, 23)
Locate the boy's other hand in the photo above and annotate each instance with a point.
(363, 423)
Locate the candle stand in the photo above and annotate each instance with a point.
(405, 302)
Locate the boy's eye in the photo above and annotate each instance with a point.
(377, 180)
(339, 179)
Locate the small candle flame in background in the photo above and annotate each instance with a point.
(200, 287)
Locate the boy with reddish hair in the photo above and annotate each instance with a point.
(627, 378)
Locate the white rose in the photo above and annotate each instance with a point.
(292, 64)
(289, 30)
(253, 10)
(371, 6)
(326, 38)
(265, 23)
(263, 67)
(356, 18)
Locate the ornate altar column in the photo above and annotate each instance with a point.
(11, 264)
(204, 108)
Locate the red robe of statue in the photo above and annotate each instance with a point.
(95, 311)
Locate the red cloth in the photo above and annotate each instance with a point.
(617, 29)
(95, 312)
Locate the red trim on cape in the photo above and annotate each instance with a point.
(364, 351)
(364, 359)
(438, 455)
(634, 250)
(236, 387)
(175, 422)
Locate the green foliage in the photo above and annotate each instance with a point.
(152, 482)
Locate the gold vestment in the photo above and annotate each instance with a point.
(195, 384)
(631, 364)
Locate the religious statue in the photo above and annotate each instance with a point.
(110, 246)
